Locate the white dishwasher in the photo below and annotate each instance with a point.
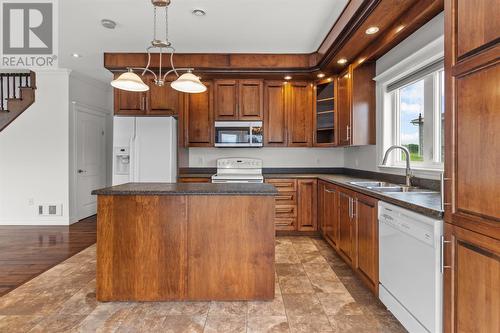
(411, 282)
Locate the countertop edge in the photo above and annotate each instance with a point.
(430, 212)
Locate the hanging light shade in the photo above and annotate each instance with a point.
(130, 81)
(188, 83)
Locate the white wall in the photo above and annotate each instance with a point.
(37, 149)
(369, 157)
(95, 96)
(34, 153)
(272, 157)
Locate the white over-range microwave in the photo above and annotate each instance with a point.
(239, 134)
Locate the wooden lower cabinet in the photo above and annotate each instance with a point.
(328, 212)
(285, 211)
(346, 224)
(471, 281)
(349, 223)
(366, 239)
(307, 192)
(296, 204)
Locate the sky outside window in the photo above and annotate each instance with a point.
(411, 107)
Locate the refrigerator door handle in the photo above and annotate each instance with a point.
(131, 174)
(137, 153)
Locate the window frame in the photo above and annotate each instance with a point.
(432, 157)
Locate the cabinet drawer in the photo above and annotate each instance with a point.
(285, 224)
(286, 198)
(285, 211)
(283, 185)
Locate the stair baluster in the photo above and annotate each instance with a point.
(17, 93)
(1, 93)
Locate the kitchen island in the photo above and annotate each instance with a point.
(162, 241)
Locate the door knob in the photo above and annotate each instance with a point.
(81, 171)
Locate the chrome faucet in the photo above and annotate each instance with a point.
(409, 174)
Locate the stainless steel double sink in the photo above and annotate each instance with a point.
(386, 187)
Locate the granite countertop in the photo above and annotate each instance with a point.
(428, 204)
(187, 189)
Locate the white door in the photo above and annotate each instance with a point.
(90, 160)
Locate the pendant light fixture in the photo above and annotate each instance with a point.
(187, 82)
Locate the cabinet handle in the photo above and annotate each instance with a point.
(283, 184)
(284, 210)
(330, 191)
(354, 204)
(442, 266)
(284, 224)
(350, 208)
(142, 103)
(284, 197)
(348, 133)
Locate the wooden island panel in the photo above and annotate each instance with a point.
(185, 247)
(141, 248)
(243, 254)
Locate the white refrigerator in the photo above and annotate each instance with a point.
(144, 149)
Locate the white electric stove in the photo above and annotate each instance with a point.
(238, 170)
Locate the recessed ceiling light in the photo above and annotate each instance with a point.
(371, 30)
(108, 24)
(199, 12)
(288, 77)
(401, 27)
(321, 75)
(342, 61)
(76, 55)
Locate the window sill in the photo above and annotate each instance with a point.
(419, 171)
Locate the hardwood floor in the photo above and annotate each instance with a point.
(28, 251)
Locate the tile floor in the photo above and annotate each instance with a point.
(315, 292)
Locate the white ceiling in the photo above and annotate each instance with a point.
(230, 26)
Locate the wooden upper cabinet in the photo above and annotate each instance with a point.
(128, 103)
(363, 127)
(226, 99)
(163, 100)
(478, 24)
(239, 100)
(274, 114)
(299, 114)
(325, 115)
(198, 118)
(366, 240)
(472, 122)
(472, 281)
(356, 105)
(478, 127)
(344, 108)
(158, 101)
(307, 192)
(250, 99)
